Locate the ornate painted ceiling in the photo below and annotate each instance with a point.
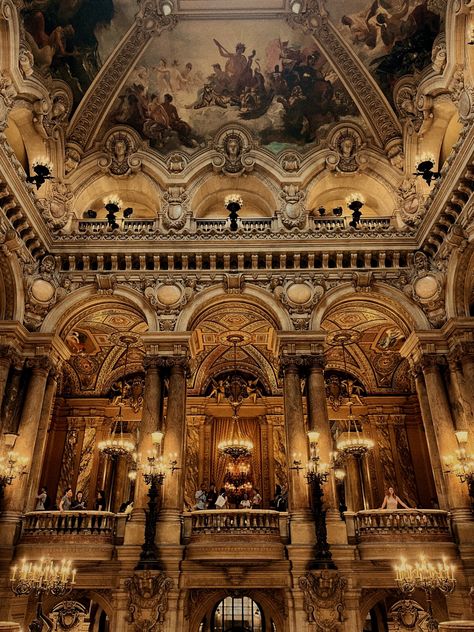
(236, 65)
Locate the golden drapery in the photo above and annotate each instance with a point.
(248, 428)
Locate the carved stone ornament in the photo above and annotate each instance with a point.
(147, 600)
(26, 61)
(299, 296)
(466, 105)
(346, 153)
(410, 205)
(57, 208)
(405, 97)
(439, 54)
(175, 208)
(456, 85)
(408, 614)
(176, 163)
(68, 615)
(293, 214)
(119, 159)
(290, 162)
(73, 158)
(7, 96)
(43, 289)
(168, 296)
(233, 146)
(323, 599)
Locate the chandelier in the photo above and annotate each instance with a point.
(235, 447)
(117, 445)
(352, 442)
(43, 576)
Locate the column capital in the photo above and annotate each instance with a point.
(315, 362)
(9, 354)
(153, 362)
(41, 364)
(178, 363)
(291, 364)
(432, 362)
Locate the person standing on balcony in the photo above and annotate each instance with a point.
(201, 498)
(100, 503)
(41, 500)
(391, 501)
(78, 502)
(256, 499)
(66, 500)
(212, 496)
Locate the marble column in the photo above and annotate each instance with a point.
(151, 421)
(169, 523)
(318, 420)
(5, 364)
(354, 496)
(297, 440)
(430, 435)
(15, 494)
(459, 404)
(9, 419)
(443, 426)
(41, 439)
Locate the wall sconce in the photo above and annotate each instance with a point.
(157, 437)
(10, 439)
(42, 169)
(425, 169)
(297, 460)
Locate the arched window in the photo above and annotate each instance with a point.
(237, 614)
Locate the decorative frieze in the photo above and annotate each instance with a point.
(148, 600)
(323, 599)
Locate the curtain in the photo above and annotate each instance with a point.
(222, 429)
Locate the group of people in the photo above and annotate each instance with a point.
(212, 499)
(69, 501)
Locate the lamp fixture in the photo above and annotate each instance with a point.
(42, 169)
(426, 576)
(112, 206)
(11, 466)
(117, 445)
(233, 203)
(461, 463)
(39, 578)
(355, 203)
(425, 169)
(296, 6)
(166, 7)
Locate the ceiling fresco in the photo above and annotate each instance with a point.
(96, 361)
(260, 74)
(392, 37)
(375, 358)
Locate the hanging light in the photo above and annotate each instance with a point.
(353, 442)
(235, 447)
(117, 445)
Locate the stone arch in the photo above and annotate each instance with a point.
(460, 283)
(88, 296)
(250, 295)
(380, 294)
(269, 605)
(12, 298)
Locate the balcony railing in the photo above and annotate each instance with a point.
(382, 524)
(100, 226)
(252, 521)
(60, 524)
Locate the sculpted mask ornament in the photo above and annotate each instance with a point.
(176, 163)
(406, 102)
(292, 208)
(346, 153)
(323, 599)
(410, 207)
(233, 147)
(290, 162)
(72, 159)
(147, 600)
(120, 159)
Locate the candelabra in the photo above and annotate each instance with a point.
(11, 466)
(317, 474)
(461, 462)
(427, 577)
(154, 472)
(39, 578)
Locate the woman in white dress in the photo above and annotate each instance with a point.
(391, 501)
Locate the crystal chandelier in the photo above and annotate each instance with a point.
(353, 442)
(235, 447)
(117, 445)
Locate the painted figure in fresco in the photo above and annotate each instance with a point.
(43, 46)
(237, 67)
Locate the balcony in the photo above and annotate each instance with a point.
(209, 534)
(96, 532)
(378, 532)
